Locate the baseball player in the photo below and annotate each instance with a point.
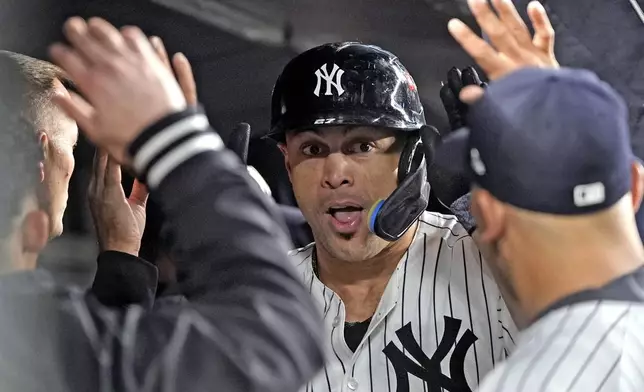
(408, 302)
(555, 200)
(556, 188)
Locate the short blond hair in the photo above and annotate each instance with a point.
(39, 77)
(19, 149)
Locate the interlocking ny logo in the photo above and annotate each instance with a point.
(323, 73)
(429, 369)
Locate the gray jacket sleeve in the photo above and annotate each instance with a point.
(248, 324)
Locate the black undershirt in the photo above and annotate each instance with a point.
(354, 333)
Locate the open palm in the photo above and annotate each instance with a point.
(119, 220)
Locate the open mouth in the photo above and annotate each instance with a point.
(346, 215)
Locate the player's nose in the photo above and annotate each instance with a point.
(337, 171)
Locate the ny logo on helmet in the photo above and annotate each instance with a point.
(323, 74)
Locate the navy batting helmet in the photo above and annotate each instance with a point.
(345, 83)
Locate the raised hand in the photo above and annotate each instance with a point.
(511, 46)
(126, 87)
(119, 220)
(182, 70)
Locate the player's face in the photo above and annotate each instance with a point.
(338, 173)
(58, 140)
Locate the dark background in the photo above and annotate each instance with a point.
(238, 47)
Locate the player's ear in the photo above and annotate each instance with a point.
(43, 140)
(489, 215)
(637, 184)
(287, 163)
(35, 231)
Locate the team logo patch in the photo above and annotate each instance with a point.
(585, 195)
(429, 369)
(333, 80)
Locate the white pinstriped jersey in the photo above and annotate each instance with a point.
(440, 296)
(595, 346)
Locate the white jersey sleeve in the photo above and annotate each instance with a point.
(589, 347)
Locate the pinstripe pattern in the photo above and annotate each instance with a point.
(585, 347)
(441, 275)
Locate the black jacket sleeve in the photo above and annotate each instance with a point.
(122, 280)
(248, 324)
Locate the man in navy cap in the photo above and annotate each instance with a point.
(556, 186)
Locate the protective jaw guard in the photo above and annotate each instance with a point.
(390, 219)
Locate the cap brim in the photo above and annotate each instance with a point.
(451, 154)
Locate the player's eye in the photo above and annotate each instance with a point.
(361, 148)
(312, 150)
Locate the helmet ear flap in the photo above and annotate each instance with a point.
(410, 158)
(389, 219)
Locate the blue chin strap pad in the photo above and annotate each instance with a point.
(373, 213)
(390, 219)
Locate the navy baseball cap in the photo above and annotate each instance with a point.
(554, 141)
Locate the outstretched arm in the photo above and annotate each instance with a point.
(250, 325)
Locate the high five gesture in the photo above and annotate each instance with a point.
(511, 46)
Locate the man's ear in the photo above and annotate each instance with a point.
(637, 184)
(287, 163)
(43, 140)
(35, 231)
(489, 215)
